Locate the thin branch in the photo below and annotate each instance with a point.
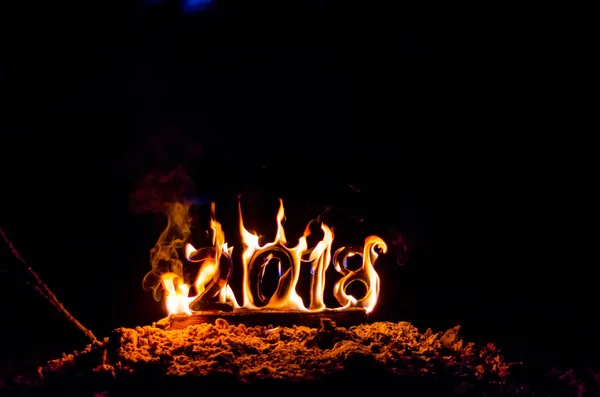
(45, 291)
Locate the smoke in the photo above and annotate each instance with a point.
(165, 194)
(164, 160)
(165, 257)
(161, 166)
(156, 191)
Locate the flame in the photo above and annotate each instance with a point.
(215, 267)
(285, 296)
(366, 274)
(320, 257)
(177, 291)
(213, 274)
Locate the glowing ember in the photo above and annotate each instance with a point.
(215, 267)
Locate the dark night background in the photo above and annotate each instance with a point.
(430, 126)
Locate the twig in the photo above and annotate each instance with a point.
(45, 291)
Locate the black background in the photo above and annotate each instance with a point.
(439, 118)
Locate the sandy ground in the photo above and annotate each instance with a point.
(391, 357)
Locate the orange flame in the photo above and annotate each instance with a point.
(320, 257)
(366, 274)
(212, 278)
(215, 266)
(177, 291)
(285, 297)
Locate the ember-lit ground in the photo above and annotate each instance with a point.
(385, 358)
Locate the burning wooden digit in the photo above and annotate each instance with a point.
(215, 265)
(257, 267)
(213, 274)
(366, 274)
(254, 260)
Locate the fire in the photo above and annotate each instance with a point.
(366, 274)
(215, 266)
(177, 300)
(285, 297)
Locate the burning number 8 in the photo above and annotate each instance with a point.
(366, 274)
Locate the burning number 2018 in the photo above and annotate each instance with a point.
(215, 269)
